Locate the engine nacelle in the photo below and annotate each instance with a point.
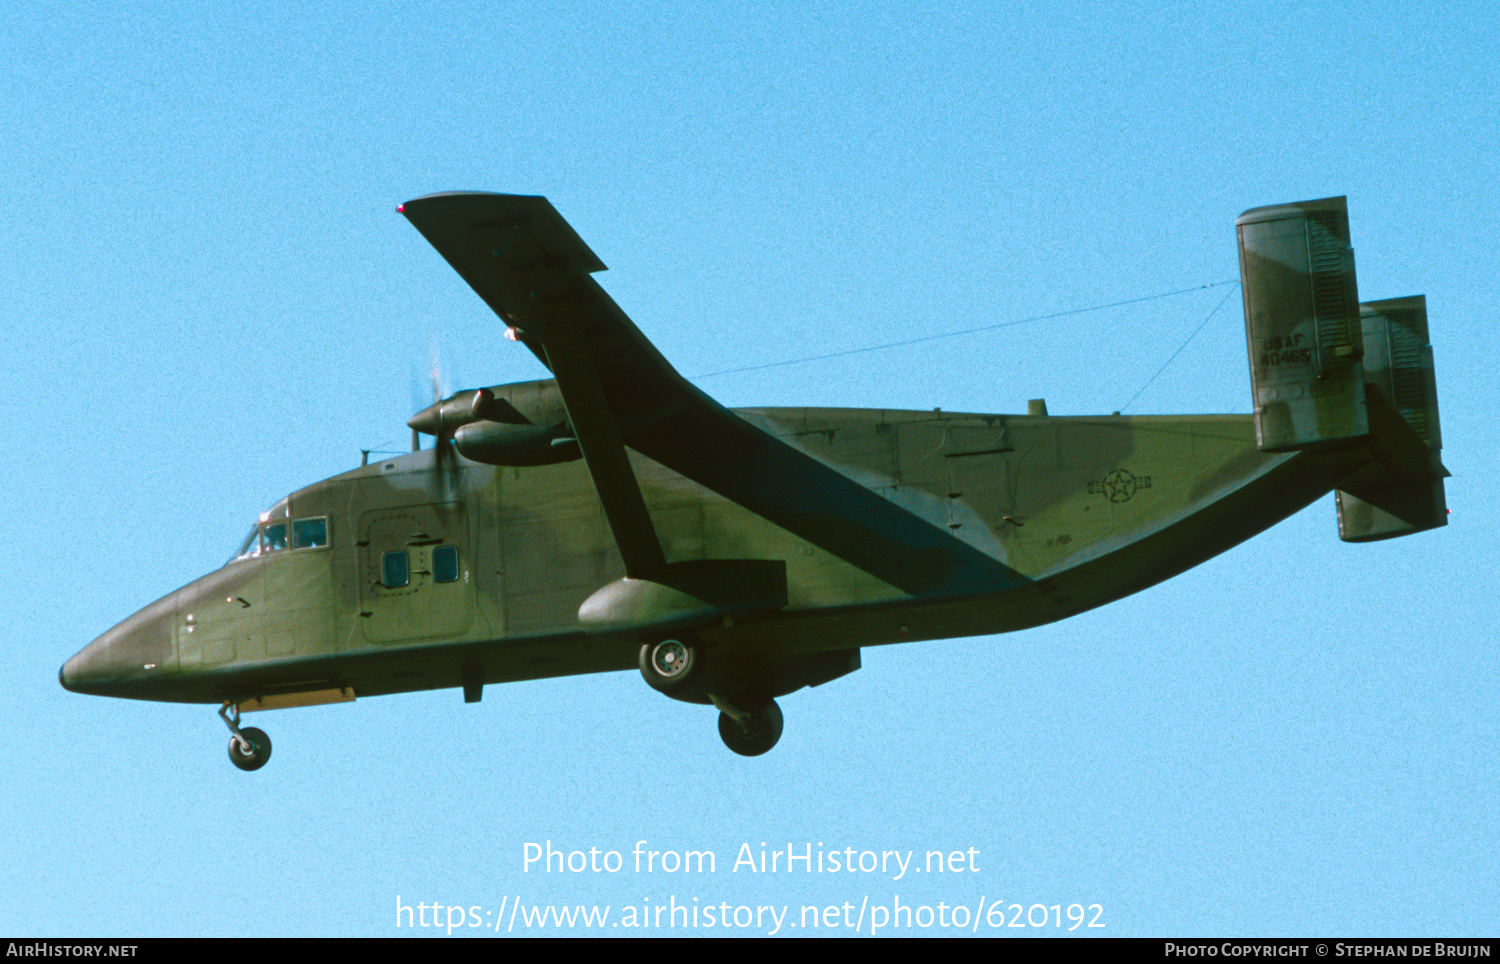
(496, 443)
(521, 424)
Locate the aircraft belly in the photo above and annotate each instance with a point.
(498, 661)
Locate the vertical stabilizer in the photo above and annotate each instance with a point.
(1302, 324)
(1401, 492)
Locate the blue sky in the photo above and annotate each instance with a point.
(212, 301)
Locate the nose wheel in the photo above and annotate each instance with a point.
(249, 748)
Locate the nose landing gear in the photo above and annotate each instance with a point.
(249, 748)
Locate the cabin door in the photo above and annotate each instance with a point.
(416, 573)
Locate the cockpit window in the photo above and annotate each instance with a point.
(251, 545)
(310, 533)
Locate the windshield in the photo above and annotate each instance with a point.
(269, 537)
(250, 547)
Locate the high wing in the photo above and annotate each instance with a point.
(533, 270)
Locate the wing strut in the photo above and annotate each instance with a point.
(599, 438)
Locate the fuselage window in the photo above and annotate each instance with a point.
(310, 533)
(445, 564)
(395, 570)
(276, 537)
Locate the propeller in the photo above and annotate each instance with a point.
(436, 415)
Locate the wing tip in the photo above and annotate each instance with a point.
(439, 195)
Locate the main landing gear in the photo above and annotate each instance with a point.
(670, 666)
(752, 730)
(677, 667)
(249, 748)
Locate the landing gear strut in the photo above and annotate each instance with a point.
(680, 668)
(752, 729)
(249, 748)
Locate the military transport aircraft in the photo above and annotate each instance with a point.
(615, 517)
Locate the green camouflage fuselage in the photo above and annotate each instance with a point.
(1081, 510)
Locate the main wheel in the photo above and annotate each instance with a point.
(758, 732)
(670, 665)
(256, 754)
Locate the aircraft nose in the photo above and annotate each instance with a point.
(93, 668)
(115, 663)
